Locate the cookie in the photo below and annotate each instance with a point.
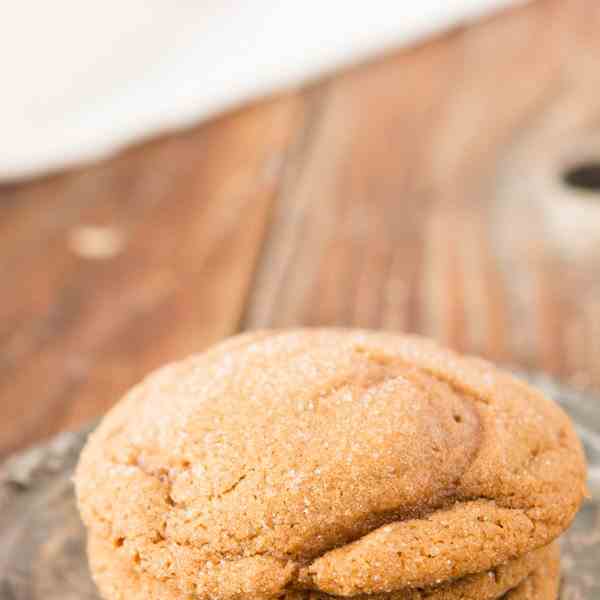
(333, 461)
(543, 584)
(119, 580)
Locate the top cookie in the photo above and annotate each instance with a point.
(346, 462)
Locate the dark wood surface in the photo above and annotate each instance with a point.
(422, 192)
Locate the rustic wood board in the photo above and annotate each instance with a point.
(42, 554)
(421, 192)
(111, 271)
(429, 197)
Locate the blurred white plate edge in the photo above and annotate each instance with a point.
(82, 80)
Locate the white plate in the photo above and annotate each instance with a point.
(81, 79)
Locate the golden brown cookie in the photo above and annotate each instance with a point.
(543, 584)
(531, 577)
(343, 462)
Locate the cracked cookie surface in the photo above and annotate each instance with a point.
(334, 461)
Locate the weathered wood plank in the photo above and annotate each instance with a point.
(422, 195)
(429, 197)
(110, 271)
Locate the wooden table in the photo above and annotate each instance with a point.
(422, 192)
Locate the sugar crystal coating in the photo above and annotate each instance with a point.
(328, 461)
(534, 576)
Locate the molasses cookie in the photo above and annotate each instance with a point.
(328, 462)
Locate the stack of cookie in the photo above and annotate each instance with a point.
(329, 463)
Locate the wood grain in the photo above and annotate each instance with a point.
(110, 271)
(429, 197)
(421, 192)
